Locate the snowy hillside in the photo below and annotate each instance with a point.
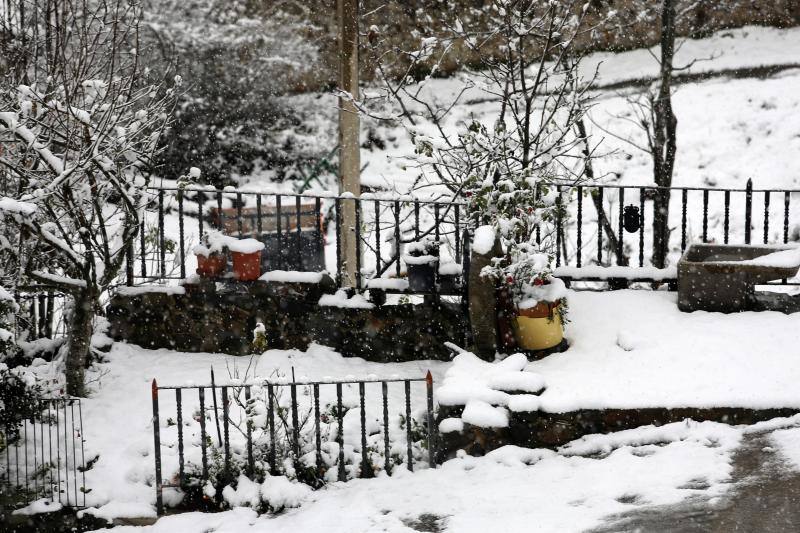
(729, 129)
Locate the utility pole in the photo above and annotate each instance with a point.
(349, 136)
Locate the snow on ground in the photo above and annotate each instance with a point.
(633, 349)
(524, 490)
(788, 443)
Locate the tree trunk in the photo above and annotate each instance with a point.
(664, 137)
(80, 336)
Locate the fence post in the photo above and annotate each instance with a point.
(431, 428)
(748, 210)
(157, 450)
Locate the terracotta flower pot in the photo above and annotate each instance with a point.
(246, 266)
(211, 266)
(539, 327)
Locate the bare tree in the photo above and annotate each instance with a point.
(661, 136)
(79, 126)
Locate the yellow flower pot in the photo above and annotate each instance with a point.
(539, 327)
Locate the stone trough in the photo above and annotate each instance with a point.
(718, 277)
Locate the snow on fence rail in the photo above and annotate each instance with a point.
(293, 228)
(313, 431)
(43, 457)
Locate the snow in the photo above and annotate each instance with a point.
(117, 414)
(555, 490)
(150, 289)
(9, 205)
(39, 506)
(482, 414)
(483, 241)
(61, 280)
(340, 299)
(280, 493)
(420, 259)
(608, 272)
(635, 349)
(451, 425)
(450, 269)
(5, 296)
(471, 378)
(244, 246)
(114, 509)
(396, 284)
(286, 276)
(246, 494)
(783, 259)
(788, 443)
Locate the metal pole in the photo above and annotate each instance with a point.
(748, 210)
(349, 133)
(157, 450)
(431, 422)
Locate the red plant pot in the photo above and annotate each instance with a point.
(246, 266)
(212, 266)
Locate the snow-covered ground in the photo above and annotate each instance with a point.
(628, 349)
(632, 349)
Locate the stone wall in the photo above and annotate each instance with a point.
(550, 430)
(221, 317)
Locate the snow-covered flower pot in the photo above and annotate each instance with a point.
(211, 266)
(539, 327)
(541, 304)
(246, 254)
(421, 259)
(211, 253)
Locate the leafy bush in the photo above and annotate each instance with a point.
(19, 397)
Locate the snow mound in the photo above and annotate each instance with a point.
(486, 390)
(340, 299)
(471, 378)
(280, 493)
(483, 241)
(712, 434)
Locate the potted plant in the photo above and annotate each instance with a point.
(212, 261)
(539, 302)
(246, 254)
(421, 260)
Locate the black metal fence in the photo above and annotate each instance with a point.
(293, 228)
(617, 230)
(258, 429)
(597, 226)
(41, 314)
(43, 457)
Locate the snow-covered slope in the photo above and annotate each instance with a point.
(728, 129)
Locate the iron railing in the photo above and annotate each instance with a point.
(308, 429)
(294, 228)
(617, 230)
(41, 313)
(43, 457)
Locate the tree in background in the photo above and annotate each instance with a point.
(79, 128)
(239, 57)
